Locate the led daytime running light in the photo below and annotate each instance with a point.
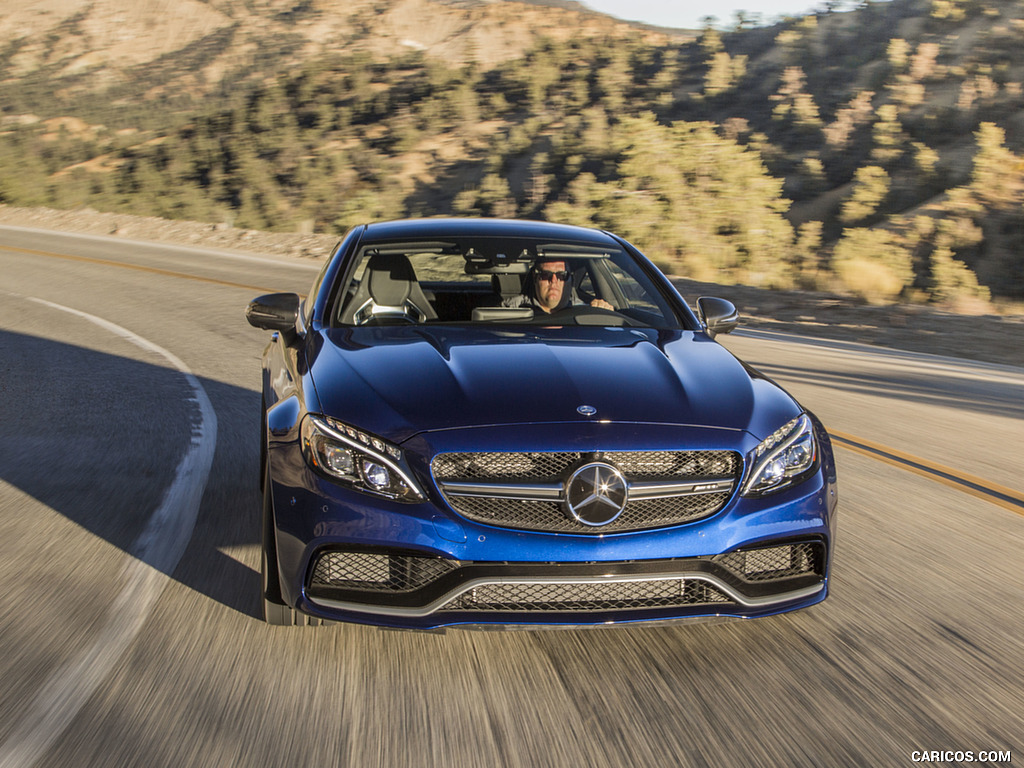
(776, 437)
(339, 430)
(783, 458)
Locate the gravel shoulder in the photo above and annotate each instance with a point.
(991, 338)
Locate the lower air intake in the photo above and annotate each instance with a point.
(587, 596)
(371, 572)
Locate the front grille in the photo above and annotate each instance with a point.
(587, 596)
(506, 471)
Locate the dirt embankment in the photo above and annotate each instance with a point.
(993, 338)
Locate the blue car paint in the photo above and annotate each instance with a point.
(452, 376)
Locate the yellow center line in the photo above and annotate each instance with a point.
(1007, 498)
(139, 268)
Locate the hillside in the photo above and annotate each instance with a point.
(877, 152)
(91, 44)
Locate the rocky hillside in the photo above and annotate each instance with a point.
(91, 44)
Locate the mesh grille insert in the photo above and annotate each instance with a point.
(550, 516)
(503, 466)
(588, 596)
(677, 465)
(370, 572)
(771, 563)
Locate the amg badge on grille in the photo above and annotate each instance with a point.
(596, 494)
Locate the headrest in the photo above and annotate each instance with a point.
(389, 278)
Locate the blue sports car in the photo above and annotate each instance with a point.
(473, 422)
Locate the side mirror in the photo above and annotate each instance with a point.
(717, 315)
(274, 312)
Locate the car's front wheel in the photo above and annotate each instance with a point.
(274, 609)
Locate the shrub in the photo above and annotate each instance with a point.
(873, 264)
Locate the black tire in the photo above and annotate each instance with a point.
(264, 443)
(274, 609)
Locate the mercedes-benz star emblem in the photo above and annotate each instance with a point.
(587, 410)
(595, 494)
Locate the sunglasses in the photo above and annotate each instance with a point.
(546, 275)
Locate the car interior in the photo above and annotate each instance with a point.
(442, 282)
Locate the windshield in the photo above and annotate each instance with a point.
(500, 280)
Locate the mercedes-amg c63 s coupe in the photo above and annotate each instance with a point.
(473, 422)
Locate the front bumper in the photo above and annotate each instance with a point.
(411, 568)
(346, 556)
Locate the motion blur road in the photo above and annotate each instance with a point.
(129, 619)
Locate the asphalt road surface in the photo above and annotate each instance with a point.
(129, 614)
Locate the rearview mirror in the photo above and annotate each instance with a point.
(274, 312)
(717, 315)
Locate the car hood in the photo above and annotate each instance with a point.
(400, 381)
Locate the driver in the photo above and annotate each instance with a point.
(548, 289)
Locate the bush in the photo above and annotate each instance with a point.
(873, 264)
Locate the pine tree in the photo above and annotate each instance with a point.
(870, 188)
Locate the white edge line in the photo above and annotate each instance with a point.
(156, 552)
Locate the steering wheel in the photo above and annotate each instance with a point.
(582, 314)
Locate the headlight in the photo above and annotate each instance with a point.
(357, 459)
(784, 458)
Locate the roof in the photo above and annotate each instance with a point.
(473, 227)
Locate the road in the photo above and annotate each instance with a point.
(129, 629)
